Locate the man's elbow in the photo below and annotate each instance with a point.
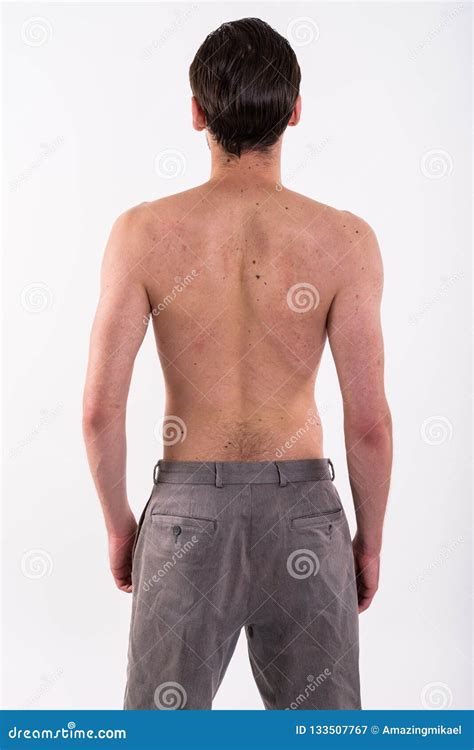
(370, 429)
(98, 417)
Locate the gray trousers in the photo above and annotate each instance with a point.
(263, 546)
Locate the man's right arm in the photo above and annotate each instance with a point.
(356, 342)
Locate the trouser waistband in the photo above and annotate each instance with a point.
(220, 473)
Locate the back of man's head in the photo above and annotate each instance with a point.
(245, 78)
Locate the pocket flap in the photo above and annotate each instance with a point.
(316, 519)
(185, 522)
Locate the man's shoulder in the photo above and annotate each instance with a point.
(151, 218)
(324, 217)
(343, 236)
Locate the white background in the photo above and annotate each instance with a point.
(93, 94)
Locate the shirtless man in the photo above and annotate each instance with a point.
(243, 280)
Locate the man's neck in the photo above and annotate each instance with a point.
(253, 167)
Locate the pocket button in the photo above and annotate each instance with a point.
(177, 530)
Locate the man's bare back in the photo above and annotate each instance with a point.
(240, 275)
(243, 281)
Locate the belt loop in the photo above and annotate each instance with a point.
(156, 471)
(332, 470)
(219, 474)
(281, 476)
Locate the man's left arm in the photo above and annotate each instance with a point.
(119, 328)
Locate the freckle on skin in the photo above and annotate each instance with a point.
(254, 261)
(286, 208)
(357, 231)
(257, 203)
(257, 276)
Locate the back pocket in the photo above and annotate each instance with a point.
(178, 526)
(316, 520)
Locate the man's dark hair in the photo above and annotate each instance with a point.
(246, 79)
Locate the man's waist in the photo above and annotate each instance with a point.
(243, 472)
